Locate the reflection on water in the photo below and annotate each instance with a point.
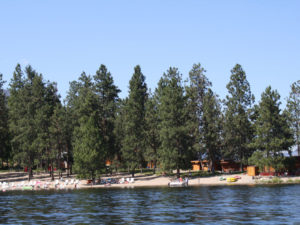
(194, 205)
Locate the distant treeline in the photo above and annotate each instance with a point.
(178, 122)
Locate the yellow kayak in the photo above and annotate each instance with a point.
(231, 179)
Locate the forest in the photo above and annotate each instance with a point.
(178, 122)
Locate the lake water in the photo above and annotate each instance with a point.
(192, 205)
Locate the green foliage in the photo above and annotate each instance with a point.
(290, 164)
(4, 133)
(152, 131)
(293, 110)
(212, 127)
(196, 91)
(174, 152)
(133, 143)
(170, 127)
(31, 104)
(272, 133)
(274, 180)
(238, 130)
(92, 105)
(258, 159)
(107, 97)
(86, 136)
(87, 147)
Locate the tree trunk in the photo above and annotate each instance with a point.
(212, 166)
(241, 158)
(52, 172)
(132, 173)
(29, 173)
(68, 167)
(178, 172)
(154, 168)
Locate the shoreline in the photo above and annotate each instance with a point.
(142, 181)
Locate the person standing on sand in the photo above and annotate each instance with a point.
(187, 180)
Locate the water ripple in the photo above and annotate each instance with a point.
(193, 205)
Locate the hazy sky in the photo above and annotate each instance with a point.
(61, 39)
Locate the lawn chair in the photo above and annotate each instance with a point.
(122, 180)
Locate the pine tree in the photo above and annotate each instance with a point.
(72, 119)
(4, 133)
(87, 147)
(107, 94)
(87, 141)
(133, 143)
(58, 137)
(272, 133)
(238, 131)
(31, 104)
(22, 117)
(152, 131)
(196, 91)
(119, 132)
(16, 110)
(211, 128)
(174, 151)
(293, 109)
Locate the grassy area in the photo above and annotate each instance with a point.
(291, 181)
(10, 170)
(277, 180)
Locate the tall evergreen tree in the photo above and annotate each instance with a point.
(16, 110)
(4, 133)
(152, 131)
(196, 91)
(58, 137)
(72, 118)
(212, 127)
(88, 152)
(174, 151)
(272, 133)
(119, 132)
(238, 131)
(29, 114)
(107, 94)
(22, 118)
(293, 108)
(133, 143)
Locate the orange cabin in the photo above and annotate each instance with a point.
(203, 165)
(231, 166)
(107, 162)
(196, 165)
(150, 165)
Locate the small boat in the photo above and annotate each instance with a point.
(222, 178)
(178, 183)
(231, 179)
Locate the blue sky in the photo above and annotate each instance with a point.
(61, 39)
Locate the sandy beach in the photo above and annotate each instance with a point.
(18, 181)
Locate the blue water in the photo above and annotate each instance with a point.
(192, 205)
